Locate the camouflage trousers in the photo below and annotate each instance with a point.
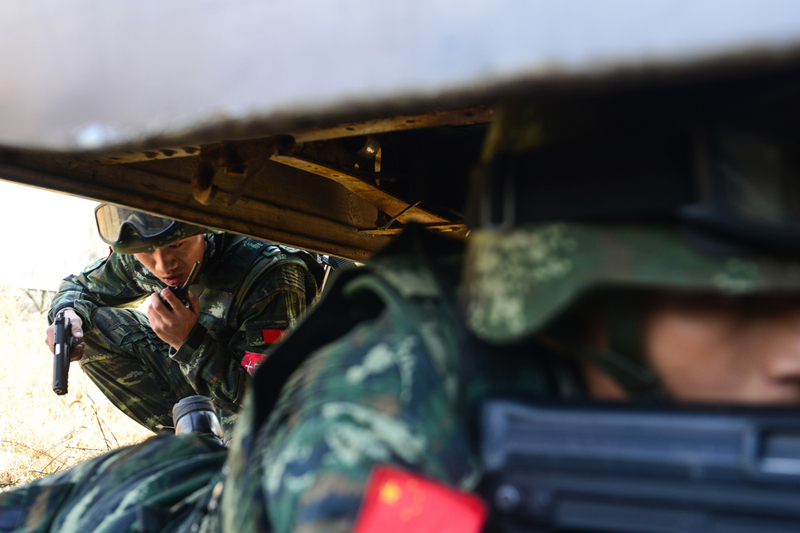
(161, 485)
(129, 363)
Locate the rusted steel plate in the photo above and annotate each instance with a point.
(396, 208)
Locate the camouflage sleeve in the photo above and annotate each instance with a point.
(213, 363)
(110, 282)
(153, 486)
(382, 394)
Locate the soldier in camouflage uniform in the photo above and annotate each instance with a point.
(539, 305)
(244, 295)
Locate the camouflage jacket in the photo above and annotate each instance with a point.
(245, 286)
(392, 376)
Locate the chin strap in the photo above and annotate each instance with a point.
(638, 380)
(623, 359)
(624, 314)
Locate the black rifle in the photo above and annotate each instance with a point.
(583, 468)
(63, 344)
(182, 292)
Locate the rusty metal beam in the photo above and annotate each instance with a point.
(451, 117)
(135, 156)
(393, 206)
(458, 230)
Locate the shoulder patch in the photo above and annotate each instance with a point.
(94, 266)
(399, 501)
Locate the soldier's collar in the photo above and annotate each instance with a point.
(210, 251)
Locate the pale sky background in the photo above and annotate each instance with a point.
(47, 236)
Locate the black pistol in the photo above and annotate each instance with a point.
(182, 292)
(63, 344)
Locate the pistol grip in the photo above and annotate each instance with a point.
(63, 344)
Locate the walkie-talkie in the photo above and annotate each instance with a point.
(182, 292)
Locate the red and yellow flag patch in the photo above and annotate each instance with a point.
(398, 501)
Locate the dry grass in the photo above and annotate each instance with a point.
(42, 433)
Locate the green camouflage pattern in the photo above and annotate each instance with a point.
(244, 287)
(377, 395)
(396, 389)
(162, 485)
(136, 245)
(131, 366)
(521, 279)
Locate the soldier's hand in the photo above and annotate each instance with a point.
(76, 325)
(173, 325)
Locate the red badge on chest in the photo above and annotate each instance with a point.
(397, 501)
(251, 360)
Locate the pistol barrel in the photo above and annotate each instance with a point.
(61, 348)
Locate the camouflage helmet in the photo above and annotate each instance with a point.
(520, 280)
(631, 197)
(131, 232)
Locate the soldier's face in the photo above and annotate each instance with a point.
(173, 263)
(725, 350)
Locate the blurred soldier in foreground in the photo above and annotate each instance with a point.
(646, 252)
(241, 298)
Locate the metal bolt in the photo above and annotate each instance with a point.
(506, 498)
(370, 148)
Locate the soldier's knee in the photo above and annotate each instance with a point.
(112, 327)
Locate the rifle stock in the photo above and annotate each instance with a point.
(616, 468)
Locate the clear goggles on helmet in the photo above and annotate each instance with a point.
(732, 191)
(114, 222)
